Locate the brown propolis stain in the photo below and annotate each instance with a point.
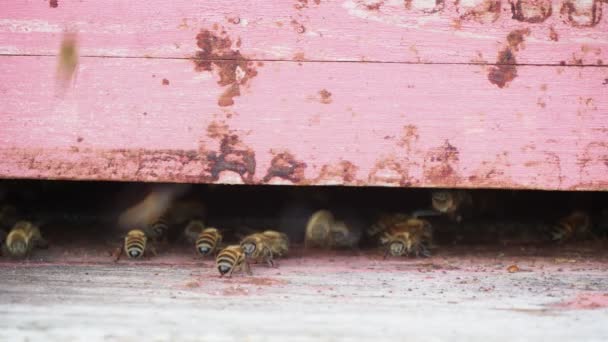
(409, 136)
(375, 6)
(325, 96)
(344, 172)
(389, 171)
(234, 69)
(486, 12)
(441, 165)
(579, 16)
(297, 26)
(531, 11)
(553, 34)
(505, 69)
(165, 81)
(233, 155)
(53, 3)
(302, 4)
(284, 165)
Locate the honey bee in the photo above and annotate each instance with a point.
(412, 236)
(193, 230)
(318, 229)
(323, 231)
(452, 203)
(230, 259)
(22, 238)
(159, 230)
(136, 245)
(208, 241)
(265, 246)
(385, 222)
(577, 224)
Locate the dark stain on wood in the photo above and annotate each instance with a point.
(234, 69)
(531, 11)
(284, 165)
(505, 69)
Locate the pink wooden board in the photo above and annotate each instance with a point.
(416, 31)
(343, 123)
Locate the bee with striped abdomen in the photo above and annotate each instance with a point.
(265, 246)
(158, 230)
(231, 259)
(208, 241)
(23, 237)
(412, 236)
(575, 225)
(452, 203)
(136, 245)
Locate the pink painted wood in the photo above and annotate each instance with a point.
(474, 94)
(313, 123)
(415, 31)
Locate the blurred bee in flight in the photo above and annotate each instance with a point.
(22, 239)
(67, 61)
(577, 225)
(408, 237)
(158, 231)
(230, 260)
(323, 231)
(265, 246)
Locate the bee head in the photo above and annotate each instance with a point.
(249, 248)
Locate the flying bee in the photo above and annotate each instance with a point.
(22, 238)
(343, 235)
(230, 259)
(577, 224)
(193, 229)
(318, 229)
(208, 241)
(452, 203)
(413, 236)
(136, 245)
(323, 231)
(265, 246)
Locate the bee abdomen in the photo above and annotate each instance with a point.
(207, 241)
(135, 246)
(158, 229)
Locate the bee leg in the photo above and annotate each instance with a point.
(152, 249)
(386, 251)
(269, 259)
(118, 253)
(424, 251)
(247, 269)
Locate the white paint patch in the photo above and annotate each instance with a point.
(391, 13)
(28, 26)
(10, 50)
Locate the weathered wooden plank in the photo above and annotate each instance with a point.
(417, 31)
(314, 123)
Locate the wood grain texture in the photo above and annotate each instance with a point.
(415, 31)
(314, 123)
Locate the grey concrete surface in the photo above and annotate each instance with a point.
(457, 295)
